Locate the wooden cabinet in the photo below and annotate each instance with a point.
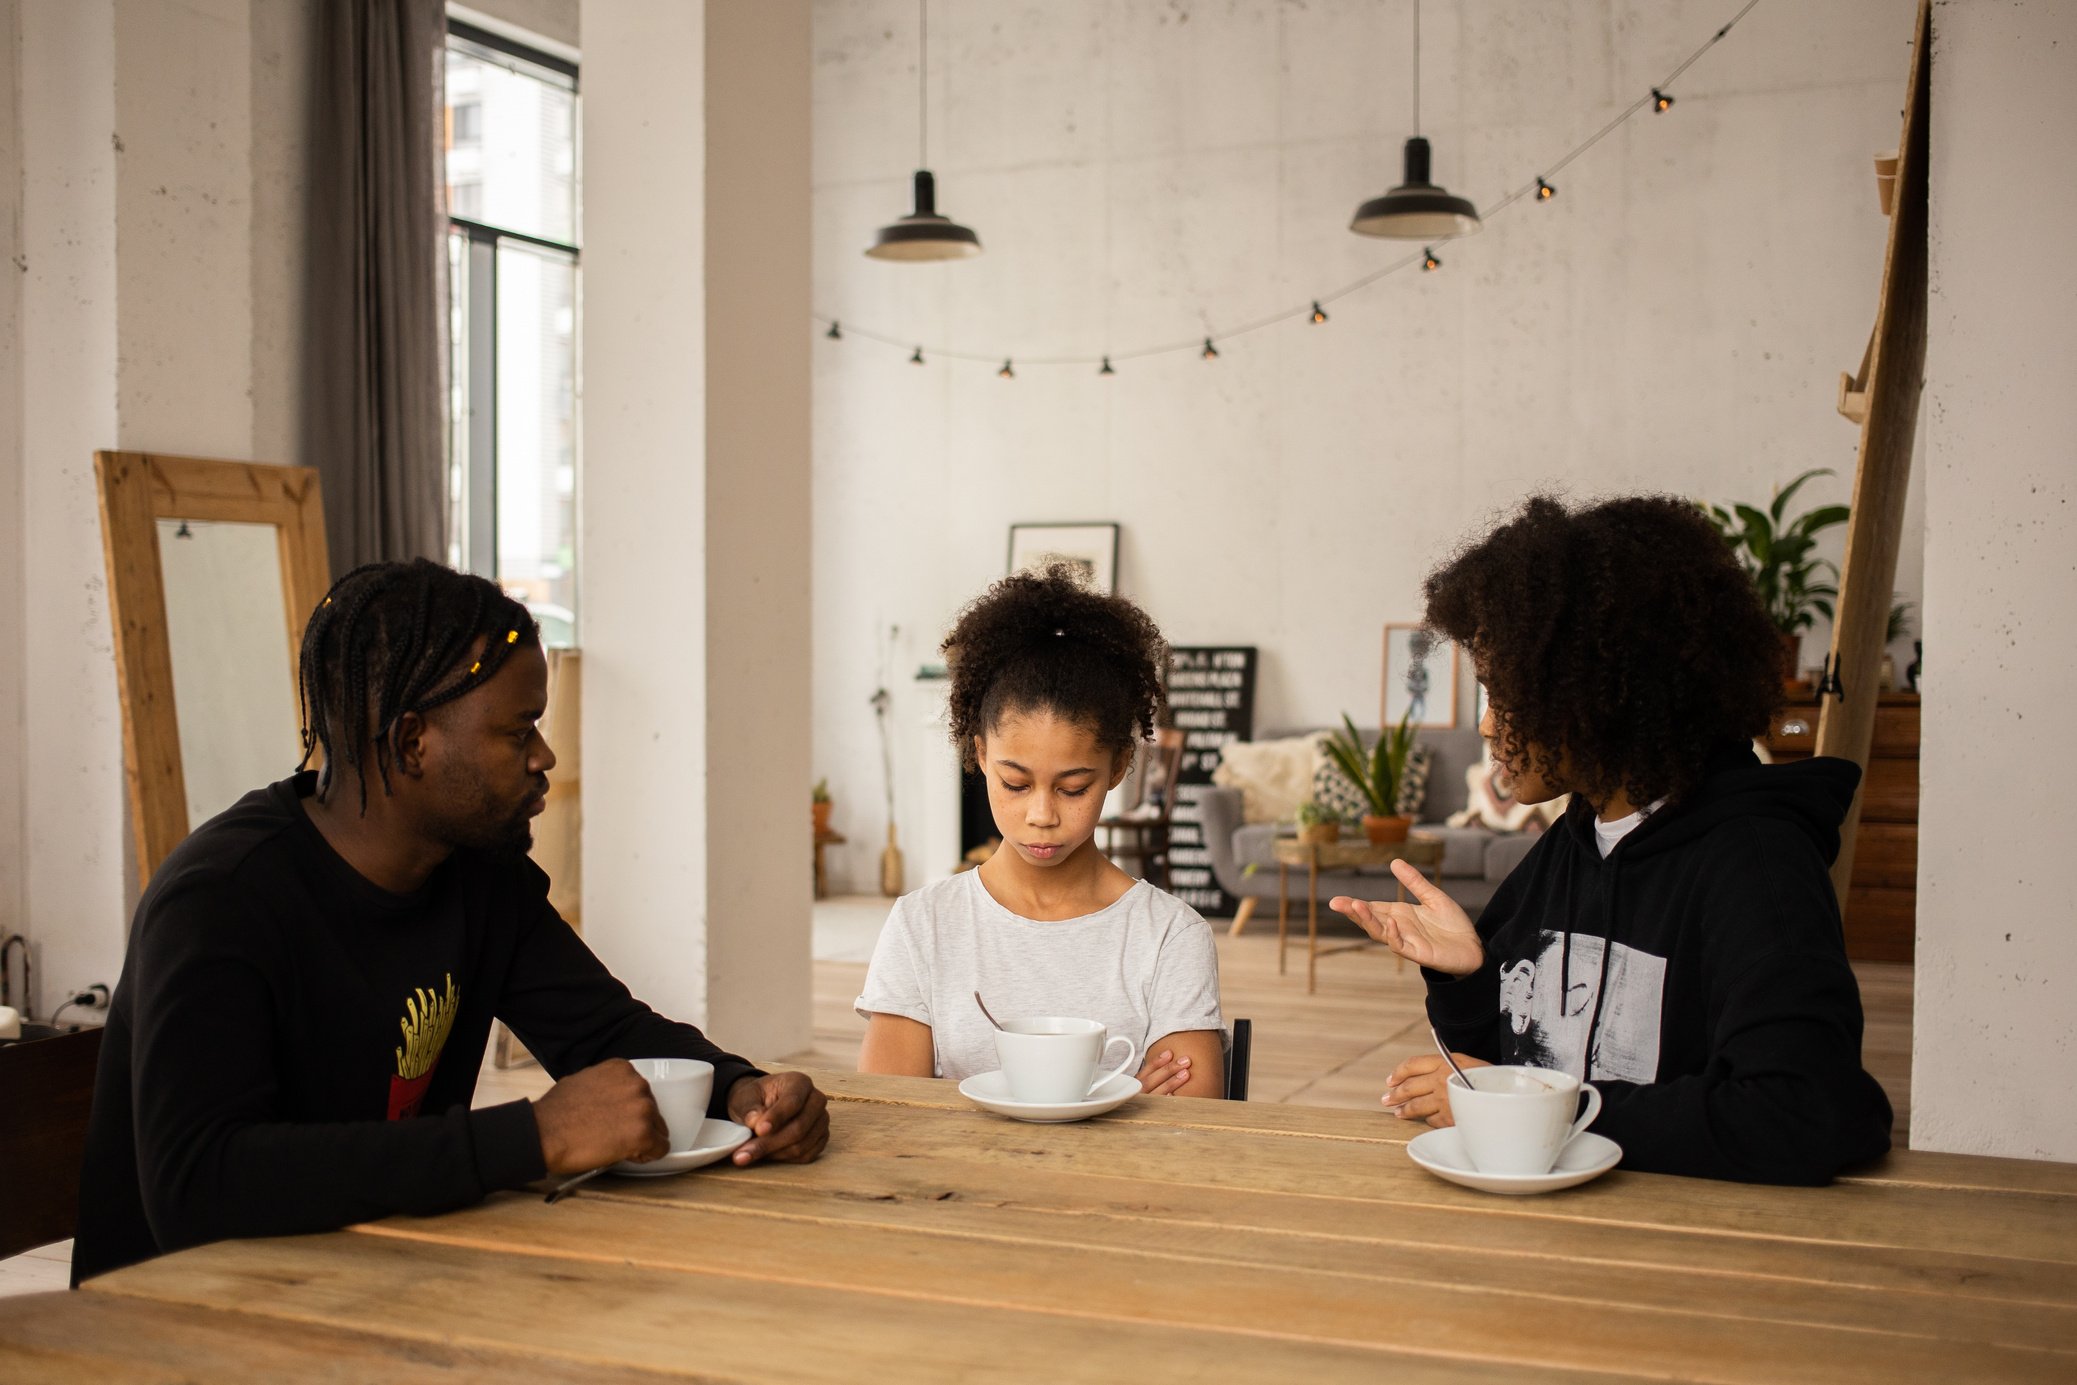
(1882, 904)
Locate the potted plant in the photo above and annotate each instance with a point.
(1376, 774)
(1317, 824)
(819, 797)
(1778, 553)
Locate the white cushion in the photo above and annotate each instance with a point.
(1273, 777)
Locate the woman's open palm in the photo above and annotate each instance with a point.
(1432, 931)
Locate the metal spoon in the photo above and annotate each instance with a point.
(569, 1185)
(984, 1010)
(1444, 1049)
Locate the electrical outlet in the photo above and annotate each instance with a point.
(94, 997)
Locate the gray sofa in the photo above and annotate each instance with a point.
(1474, 860)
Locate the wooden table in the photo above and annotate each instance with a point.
(1419, 848)
(824, 836)
(1174, 1240)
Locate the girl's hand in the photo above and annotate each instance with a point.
(1163, 1074)
(1419, 1088)
(1431, 932)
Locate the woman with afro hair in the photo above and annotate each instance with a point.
(1674, 938)
(1053, 687)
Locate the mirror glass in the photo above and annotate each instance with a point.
(227, 625)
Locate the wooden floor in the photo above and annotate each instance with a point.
(1331, 1049)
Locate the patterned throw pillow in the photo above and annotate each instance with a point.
(1338, 794)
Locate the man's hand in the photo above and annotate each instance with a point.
(599, 1116)
(1430, 932)
(788, 1118)
(1419, 1089)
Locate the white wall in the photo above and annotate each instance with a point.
(695, 512)
(1675, 320)
(156, 245)
(1996, 954)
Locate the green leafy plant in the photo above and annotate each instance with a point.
(1311, 813)
(1376, 773)
(1779, 554)
(1899, 627)
(820, 793)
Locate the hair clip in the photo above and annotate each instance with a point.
(475, 666)
(511, 637)
(328, 601)
(1059, 634)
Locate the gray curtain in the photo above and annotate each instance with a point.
(375, 340)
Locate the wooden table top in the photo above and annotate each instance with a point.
(1172, 1240)
(1419, 847)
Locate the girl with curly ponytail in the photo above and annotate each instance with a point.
(1054, 686)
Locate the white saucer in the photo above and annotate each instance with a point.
(991, 1092)
(717, 1140)
(1584, 1159)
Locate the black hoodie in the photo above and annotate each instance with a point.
(1723, 1027)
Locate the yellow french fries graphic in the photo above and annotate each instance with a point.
(427, 1018)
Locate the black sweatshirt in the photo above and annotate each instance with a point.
(293, 1049)
(1723, 1024)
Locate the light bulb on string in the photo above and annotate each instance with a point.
(1211, 353)
(1106, 370)
(917, 359)
(1428, 261)
(1319, 314)
(1544, 191)
(835, 333)
(1660, 101)
(1006, 373)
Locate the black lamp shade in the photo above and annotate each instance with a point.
(923, 234)
(1416, 209)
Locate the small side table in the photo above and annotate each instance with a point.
(825, 837)
(1418, 848)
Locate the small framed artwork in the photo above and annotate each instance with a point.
(1090, 549)
(1421, 677)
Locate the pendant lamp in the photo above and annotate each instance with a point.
(1417, 209)
(923, 234)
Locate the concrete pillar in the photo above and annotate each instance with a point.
(1992, 1044)
(695, 534)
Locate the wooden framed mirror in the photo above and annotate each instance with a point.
(213, 568)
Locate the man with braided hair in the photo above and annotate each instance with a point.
(313, 974)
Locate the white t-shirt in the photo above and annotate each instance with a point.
(1146, 967)
(1607, 834)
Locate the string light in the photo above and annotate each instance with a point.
(1540, 187)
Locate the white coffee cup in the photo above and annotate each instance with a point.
(1519, 1119)
(682, 1088)
(1052, 1060)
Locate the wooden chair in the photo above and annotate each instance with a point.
(1145, 823)
(1239, 1057)
(46, 1091)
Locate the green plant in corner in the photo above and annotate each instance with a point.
(1778, 553)
(1378, 772)
(820, 793)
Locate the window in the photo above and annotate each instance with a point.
(512, 266)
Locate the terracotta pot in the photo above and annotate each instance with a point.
(1385, 831)
(1320, 832)
(822, 815)
(1791, 654)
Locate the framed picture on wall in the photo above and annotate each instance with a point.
(1421, 675)
(1090, 549)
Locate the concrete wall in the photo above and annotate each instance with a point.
(159, 230)
(695, 512)
(1674, 320)
(1996, 954)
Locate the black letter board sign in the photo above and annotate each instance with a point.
(1211, 700)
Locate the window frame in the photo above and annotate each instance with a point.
(475, 528)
